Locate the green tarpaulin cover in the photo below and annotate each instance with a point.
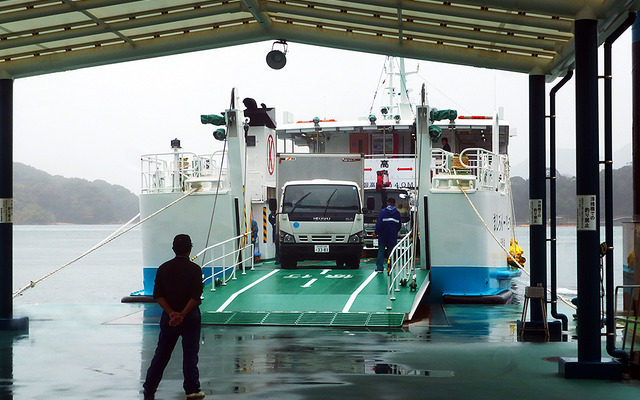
(212, 119)
(439, 115)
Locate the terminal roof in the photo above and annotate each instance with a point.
(535, 36)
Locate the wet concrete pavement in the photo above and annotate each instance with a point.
(465, 352)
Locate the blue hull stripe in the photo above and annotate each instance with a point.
(471, 281)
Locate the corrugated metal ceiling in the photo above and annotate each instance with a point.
(536, 36)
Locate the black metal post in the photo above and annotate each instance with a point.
(553, 254)
(589, 364)
(7, 322)
(6, 370)
(608, 191)
(6, 198)
(635, 83)
(587, 190)
(537, 190)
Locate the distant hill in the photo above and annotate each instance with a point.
(40, 198)
(566, 196)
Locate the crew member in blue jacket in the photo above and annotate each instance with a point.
(387, 228)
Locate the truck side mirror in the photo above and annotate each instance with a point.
(273, 205)
(371, 203)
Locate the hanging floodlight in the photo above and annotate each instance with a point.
(275, 58)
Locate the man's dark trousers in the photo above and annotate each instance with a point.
(384, 250)
(190, 332)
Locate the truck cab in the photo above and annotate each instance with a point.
(321, 219)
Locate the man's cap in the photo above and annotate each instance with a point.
(391, 200)
(182, 242)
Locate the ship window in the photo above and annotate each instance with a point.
(382, 144)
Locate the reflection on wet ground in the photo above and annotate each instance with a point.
(455, 352)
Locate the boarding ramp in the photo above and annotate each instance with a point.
(315, 294)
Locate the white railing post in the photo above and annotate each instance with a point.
(389, 291)
(400, 265)
(228, 259)
(224, 265)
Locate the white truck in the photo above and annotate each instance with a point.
(320, 210)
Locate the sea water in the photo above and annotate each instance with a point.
(115, 269)
(105, 275)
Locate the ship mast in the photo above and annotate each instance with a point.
(398, 100)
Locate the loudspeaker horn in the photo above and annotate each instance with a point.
(276, 59)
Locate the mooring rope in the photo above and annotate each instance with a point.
(119, 232)
(565, 300)
(215, 200)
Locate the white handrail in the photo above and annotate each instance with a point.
(233, 252)
(401, 265)
(490, 169)
(167, 172)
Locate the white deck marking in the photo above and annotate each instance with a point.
(244, 289)
(355, 294)
(309, 283)
(324, 271)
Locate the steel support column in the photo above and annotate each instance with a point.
(537, 190)
(589, 363)
(635, 84)
(7, 322)
(587, 190)
(608, 190)
(553, 259)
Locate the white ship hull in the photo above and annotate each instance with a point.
(467, 263)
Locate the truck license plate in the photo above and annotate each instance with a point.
(324, 248)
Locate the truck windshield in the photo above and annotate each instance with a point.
(321, 202)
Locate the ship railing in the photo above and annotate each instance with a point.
(168, 172)
(400, 266)
(226, 258)
(630, 315)
(474, 168)
(490, 169)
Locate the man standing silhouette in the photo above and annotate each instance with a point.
(178, 287)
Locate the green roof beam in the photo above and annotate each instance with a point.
(256, 8)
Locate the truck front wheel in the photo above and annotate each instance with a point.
(353, 262)
(288, 262)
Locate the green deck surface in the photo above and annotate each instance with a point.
(313, 295)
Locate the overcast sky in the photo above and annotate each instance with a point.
(95, 123)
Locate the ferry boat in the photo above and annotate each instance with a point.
(463, 200)
(458, 206)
